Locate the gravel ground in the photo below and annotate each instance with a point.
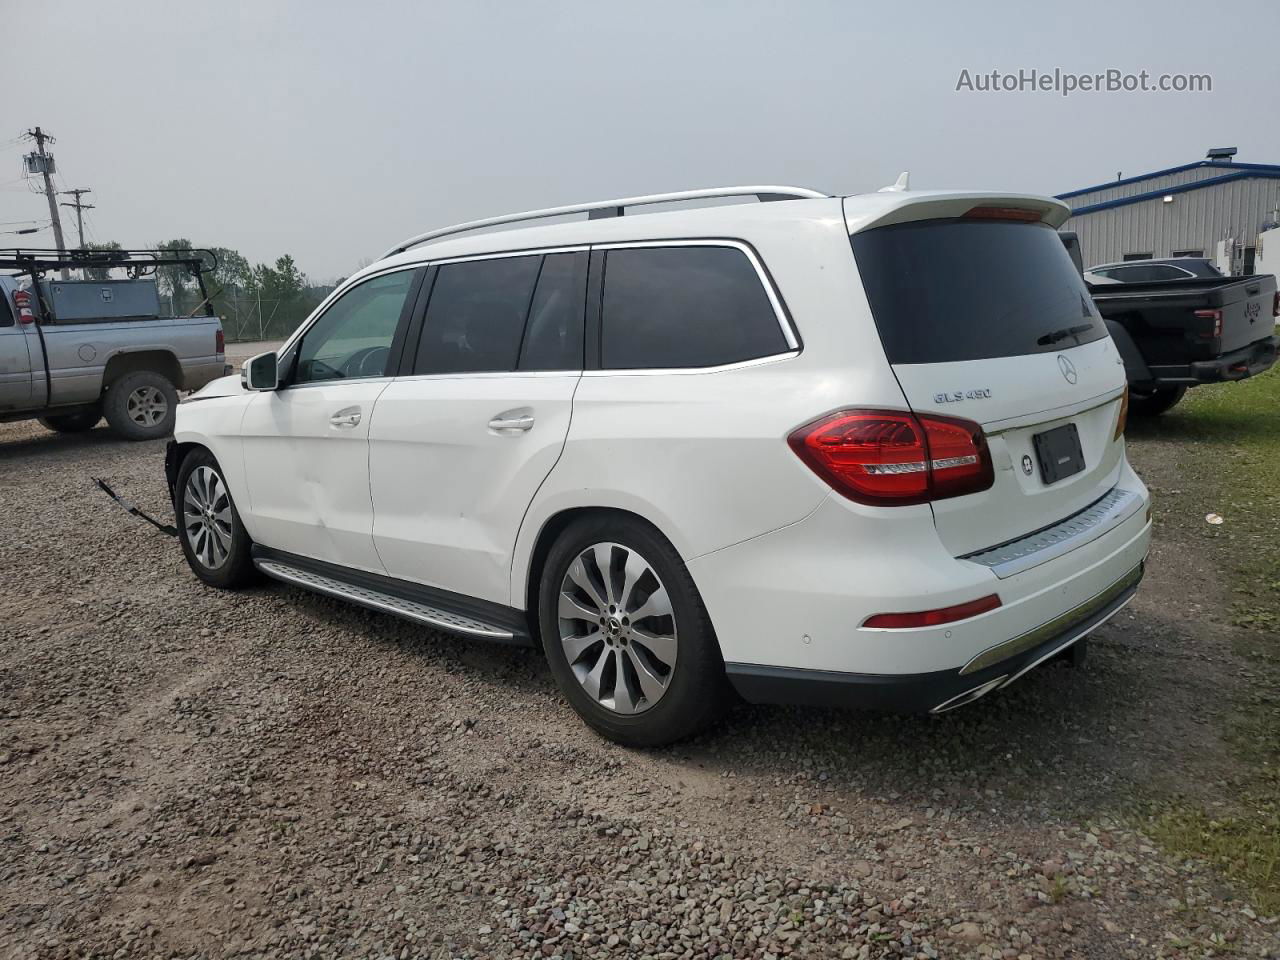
(185, 772)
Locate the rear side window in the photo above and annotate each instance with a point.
(504, 314)
(6, 314)
(553, 332)
(947, 290)
(684, 306)
(475, 317)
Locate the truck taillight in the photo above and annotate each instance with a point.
(891, 458)
(1124, 414)
(22, 300)
(1275, 304)
(1215, 330)
(220, 343)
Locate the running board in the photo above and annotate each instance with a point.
(367, 595)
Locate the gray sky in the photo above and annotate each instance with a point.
(332, 130)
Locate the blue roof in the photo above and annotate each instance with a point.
(1220, 164)
(1239, 171)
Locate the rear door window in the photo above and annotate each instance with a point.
(685, 306)
(475, 317)
(553, 332)
(947, 290)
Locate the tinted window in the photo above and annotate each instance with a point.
(553, 333)
(685, 307)
(944, 290)
(475, 318)
(352, 339)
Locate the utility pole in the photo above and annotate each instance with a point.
(79, 208)
(43, 163)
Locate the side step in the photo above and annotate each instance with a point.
(376, 596)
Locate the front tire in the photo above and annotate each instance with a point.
(72, 422)
(215, 542)
(142, 406)
(626, 634)
(1155, 400)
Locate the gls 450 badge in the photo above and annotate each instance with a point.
(982, 394)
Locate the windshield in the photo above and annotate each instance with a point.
(946, 290)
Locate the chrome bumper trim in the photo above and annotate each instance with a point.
(1052, 542)
(1063, 623)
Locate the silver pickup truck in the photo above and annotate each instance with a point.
(74, 351)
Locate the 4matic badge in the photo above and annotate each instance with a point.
(981, 394)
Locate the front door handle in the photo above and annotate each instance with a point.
(346, 417)
(511, 423)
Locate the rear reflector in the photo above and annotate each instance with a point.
(1004, 213)
(893, 458)
(932, 618)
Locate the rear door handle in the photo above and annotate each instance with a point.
(346, 417)
(511, 423)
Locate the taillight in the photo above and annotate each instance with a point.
(1216, 328)
(1124, 413)
(22, 300)
(888, 458)
(932, 618)
(219, 343)
(1275, 304)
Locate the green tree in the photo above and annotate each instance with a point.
(100, 273)
(174, 280)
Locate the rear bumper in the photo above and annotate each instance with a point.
(942, 689)
(1249, 361)
(196, 374)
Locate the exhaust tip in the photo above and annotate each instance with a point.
(969, 695)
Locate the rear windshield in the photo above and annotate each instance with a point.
(946, 290)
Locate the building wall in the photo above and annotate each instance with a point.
(1195, 220)
(1147, 184)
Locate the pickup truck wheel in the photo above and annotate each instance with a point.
(626, 634)
(214, 540)
(1154, 401)
(72, 422)
(142, 406)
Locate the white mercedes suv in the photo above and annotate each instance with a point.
(863, 451)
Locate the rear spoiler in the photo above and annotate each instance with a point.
(864, 211)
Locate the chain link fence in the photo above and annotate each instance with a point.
(247, 318)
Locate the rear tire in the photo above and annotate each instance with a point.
(72, 422)
(1155, 400)
(639, 681)
(142, 406)
(215, 542)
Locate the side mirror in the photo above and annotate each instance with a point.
(261, 372)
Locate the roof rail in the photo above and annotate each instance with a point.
(613, 208)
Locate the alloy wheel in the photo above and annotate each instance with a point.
(206, 516)
(147, 406)
(617, 628)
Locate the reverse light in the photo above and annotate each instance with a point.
(1124, 414)
(22, 300)
(894, 458)
(1216, 317)
(933, 618)
(1004, 213)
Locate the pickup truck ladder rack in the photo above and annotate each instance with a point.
(137, 263)
(612, 208)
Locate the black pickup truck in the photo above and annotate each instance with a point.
(1175, 334)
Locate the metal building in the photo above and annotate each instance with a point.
(1186, 211)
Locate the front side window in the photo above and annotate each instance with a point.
(352, 339)
(685, 306)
